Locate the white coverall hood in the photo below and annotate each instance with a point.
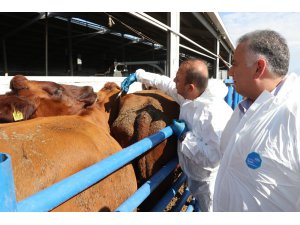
(215, 88)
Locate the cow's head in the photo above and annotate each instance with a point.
(108, 98)
(14, 108)
(52, 99)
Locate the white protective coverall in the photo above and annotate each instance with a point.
(205, 117)
(269, 130)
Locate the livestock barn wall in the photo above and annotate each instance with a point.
(96, 82)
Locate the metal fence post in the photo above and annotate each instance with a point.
(7, 188)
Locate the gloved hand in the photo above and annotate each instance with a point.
(179, 128)
(128, 81)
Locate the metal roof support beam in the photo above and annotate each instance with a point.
(70, 46)
(14, 31)
(46, 44)
(193, 50)
(173, 44)
(217, 62)
(210, 29)
(163, 26)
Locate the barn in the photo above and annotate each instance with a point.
(95, 47)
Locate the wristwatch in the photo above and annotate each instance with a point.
(182, 137)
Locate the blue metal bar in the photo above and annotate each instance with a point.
(182, 200)
(165, 200)
(60, 192)
(229, 96)
(144, 191)
(191, 206)
(235, 99)
(8, 201)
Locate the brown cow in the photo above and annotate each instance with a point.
(142, 114)
(50, 98)
(48, 149)
(146, 109)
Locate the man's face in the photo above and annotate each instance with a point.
(181, 86)
(243, 70)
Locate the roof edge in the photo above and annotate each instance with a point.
(216, 19)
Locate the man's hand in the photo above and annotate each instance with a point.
(128, 81)
(179, 128)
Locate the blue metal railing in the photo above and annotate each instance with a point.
(69, 187)
(182, 200)
(146, 189)
(232, 98)
(7, 190)
(162, 203)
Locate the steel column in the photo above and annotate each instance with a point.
(46, 44)
(70, 47)
(7, 188)
(173, 43)
(4, 57)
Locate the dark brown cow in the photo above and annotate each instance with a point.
(140, 115)
(48, 149)
(50, 98)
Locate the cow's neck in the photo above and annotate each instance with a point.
(94, 114)
(104, 110)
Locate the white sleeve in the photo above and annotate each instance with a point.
(205, 152)
(160, 82)
(202, 143)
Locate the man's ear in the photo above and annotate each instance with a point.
(191, 87)
(260, 68)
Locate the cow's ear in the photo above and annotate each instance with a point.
(23, 111)
(18, 82)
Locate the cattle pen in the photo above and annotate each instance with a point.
(76, 183)
(67, 188)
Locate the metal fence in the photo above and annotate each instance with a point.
(71, 186)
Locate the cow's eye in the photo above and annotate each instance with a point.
(57, 92)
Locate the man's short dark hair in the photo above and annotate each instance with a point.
(194, 75)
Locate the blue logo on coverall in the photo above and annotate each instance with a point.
(253, 160)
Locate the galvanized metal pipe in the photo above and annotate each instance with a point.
(70, 47)
(4, 57)
(8, 201)
(46, 44)
(60, 192)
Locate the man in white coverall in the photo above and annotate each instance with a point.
(205, 113)
(260, 167)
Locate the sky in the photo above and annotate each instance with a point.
(286, 23)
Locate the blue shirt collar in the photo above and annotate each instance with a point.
(245, 104)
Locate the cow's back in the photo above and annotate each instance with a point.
(141, 114)
(46, 150)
